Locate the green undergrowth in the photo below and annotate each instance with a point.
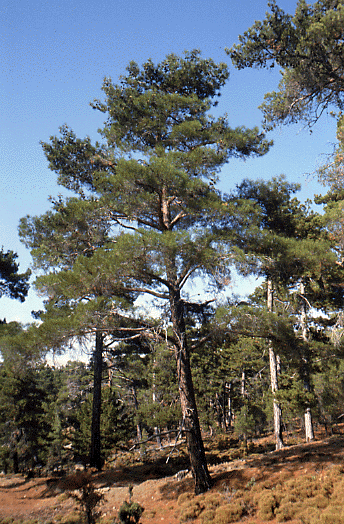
(305, 499)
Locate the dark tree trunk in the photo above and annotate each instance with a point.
(191, 425)
(95, 452)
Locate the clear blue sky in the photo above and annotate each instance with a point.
(53, 58)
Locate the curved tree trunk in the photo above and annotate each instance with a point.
(191, 425)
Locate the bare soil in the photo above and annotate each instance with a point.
(45, 500)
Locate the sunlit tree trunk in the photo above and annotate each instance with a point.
(273, 360)
(309, 432)
(227, 405)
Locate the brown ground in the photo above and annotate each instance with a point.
(44, 499)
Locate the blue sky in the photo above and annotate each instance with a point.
(53, 59)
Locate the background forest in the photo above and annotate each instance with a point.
(143, 225)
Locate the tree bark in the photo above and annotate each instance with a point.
(277, 411)
(156, 428)
(243, 383)
(95, 451)
(138, 423)
(276, 406)
(191, 425)
(228, 412)
(309, 432)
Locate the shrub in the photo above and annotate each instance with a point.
(331, 515)
(228, 513)
(267, 504)
(320, 501)
(285, 512)
(191, 510)
(207, 516)
(130, 512)
(212, 500)
(184, 497)
(82, 489)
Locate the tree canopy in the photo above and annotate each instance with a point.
(143, 222)
(309, 48)
(12, 283)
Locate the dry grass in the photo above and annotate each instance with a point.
(301, 484)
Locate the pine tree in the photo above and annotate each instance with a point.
(12, 283)
(288, 245)
(308, 47)
(153, 182)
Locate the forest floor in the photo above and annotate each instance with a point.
(240, 478)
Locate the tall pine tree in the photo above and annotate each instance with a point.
(153, 181)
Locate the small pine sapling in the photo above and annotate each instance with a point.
(130, 512)
(82, 489)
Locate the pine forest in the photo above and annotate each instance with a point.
(135, 256)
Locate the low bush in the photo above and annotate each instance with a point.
(228, 513)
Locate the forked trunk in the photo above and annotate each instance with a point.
(191, 425)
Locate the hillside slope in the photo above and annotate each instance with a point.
(301, 484)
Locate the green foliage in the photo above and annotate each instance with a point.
(158, 397)
(115, 425)
(248, 420)
(12, 283)
(72, 383)
(144, 217)
(331, 174)
(308, 48)
(130, 512)
(328, 387)
(218, 372)
(25, 393)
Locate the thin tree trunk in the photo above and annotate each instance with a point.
(138, 425)
(228, 411)
(243, 383)
(95, 452)
(191, 425)
(277, 411)
(156, 429)
(276, 406)
(309, 432)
